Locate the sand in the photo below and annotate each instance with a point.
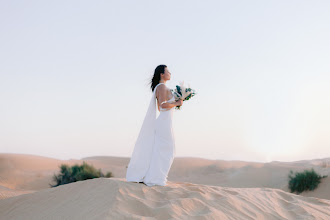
(197, 189)
(114, 198)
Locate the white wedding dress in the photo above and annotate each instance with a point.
(154, 149)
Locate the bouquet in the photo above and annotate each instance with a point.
(183, 93)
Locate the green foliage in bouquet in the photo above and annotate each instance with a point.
(77, 173)
(178, 88)
(190, 95)
(306, 180)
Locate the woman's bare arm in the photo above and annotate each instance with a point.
(162, 96)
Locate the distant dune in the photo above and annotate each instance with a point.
(29, 172)
(196, 187)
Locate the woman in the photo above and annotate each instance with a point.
(154, 149)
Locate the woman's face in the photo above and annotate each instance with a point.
(167, 74)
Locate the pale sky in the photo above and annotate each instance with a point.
(74, 77)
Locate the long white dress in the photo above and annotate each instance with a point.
(154, 149)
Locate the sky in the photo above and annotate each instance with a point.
(74, 77)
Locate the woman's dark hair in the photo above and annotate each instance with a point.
(156, 77)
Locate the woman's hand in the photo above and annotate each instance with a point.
(179, 102)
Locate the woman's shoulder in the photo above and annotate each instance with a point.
(162, 87)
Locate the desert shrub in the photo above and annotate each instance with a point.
(303, 181)
(76, 173)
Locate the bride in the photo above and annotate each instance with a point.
(154, 149)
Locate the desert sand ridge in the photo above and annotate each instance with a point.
(114, 198)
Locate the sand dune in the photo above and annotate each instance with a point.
(28, 172)
(197, 189)
(114, 198)
(22, 173)
(6, 192)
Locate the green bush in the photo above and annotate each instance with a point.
(77, 173)
(306, 180)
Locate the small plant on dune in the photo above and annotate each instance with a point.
(77, 173)
(303, 181)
